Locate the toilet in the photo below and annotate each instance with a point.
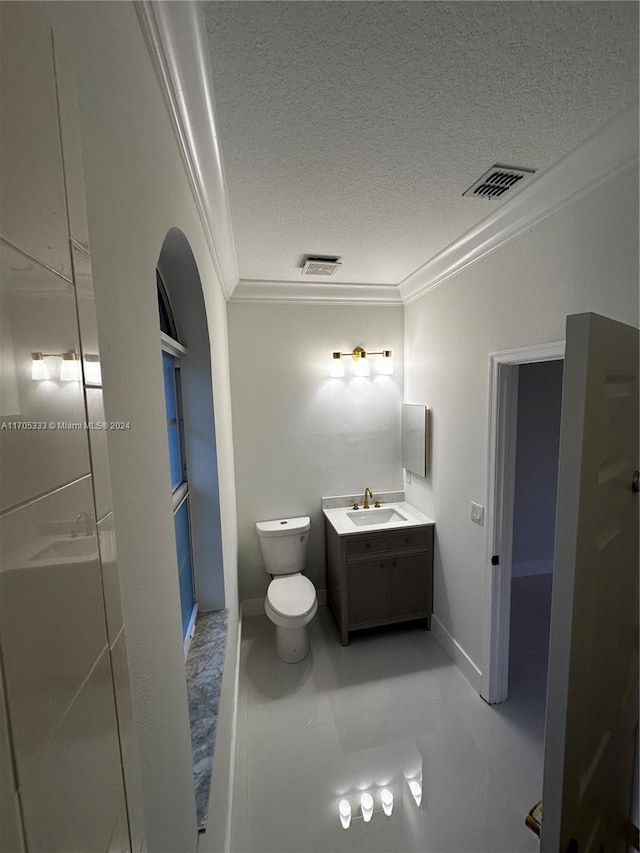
(291, 601)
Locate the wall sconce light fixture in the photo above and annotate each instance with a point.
(70, 370)
(39, 368)
(361, 358)
(92, 370)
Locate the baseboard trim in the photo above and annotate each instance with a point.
(255, 606)
(457, 654)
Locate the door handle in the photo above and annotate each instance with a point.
(534, 819)
(635, 483)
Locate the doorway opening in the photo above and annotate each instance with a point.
(514, 506)
(539, 407)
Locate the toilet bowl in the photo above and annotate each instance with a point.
(291, 601)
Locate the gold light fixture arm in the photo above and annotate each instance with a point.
(359, 352)
(361, 356)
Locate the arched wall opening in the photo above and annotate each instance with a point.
(179, 272)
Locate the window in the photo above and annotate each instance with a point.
(172, 353)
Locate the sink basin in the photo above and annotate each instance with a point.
(392, 515)
(69, 549)
(371, 517)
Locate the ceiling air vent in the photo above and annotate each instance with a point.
(320, 265)
(498, 181)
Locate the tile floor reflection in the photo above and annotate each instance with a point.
(389, 709)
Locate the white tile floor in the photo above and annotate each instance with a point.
(389, 707)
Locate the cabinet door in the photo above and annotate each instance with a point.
(367, 591)
(408, 586)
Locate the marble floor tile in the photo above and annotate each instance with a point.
(204, 665)
(388, 709)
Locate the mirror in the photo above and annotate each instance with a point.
(413, 420)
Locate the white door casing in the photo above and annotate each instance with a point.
(503, 415)
(592, 698)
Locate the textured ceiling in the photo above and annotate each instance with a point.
(353, 128)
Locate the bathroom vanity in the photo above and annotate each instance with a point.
(379, 566)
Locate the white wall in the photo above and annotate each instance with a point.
(299, 435)
(136, 191)
(536, 481)
(582, 258)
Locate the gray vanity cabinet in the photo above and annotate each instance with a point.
(367, 591)
(379, 578)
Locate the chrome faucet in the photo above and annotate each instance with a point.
(367, 494)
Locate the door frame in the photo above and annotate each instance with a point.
(502, 429)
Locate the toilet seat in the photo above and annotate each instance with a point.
(291, 596)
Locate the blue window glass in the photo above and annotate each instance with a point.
(177, 461)
(173, 431)
(185, 573)
(166, 321)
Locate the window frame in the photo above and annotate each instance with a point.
(181, 492)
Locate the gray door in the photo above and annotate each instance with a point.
(592, 710)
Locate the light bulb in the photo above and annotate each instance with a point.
(362, 365)
(344, 810)
(416, 790)
(70, 370)
(39, 369)
(387, 801)
(366, 804)
(336, 369)
(92, 371)
(386, 363)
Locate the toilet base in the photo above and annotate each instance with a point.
(292, 644)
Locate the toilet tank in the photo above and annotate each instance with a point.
(284, 544)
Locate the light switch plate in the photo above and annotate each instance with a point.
(477, 513)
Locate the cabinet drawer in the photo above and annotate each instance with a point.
(392, 542)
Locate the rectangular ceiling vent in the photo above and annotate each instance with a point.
(498, 181)
(317, 265)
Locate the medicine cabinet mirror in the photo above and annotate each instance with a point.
(414, 422)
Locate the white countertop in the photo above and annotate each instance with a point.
(339, 519)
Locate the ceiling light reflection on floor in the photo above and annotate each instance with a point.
(366, 805)
(387, 801)
(416, 790)
(344, 810)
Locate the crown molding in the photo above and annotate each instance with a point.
(611, 151)
(174, 35)
(318, 293)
